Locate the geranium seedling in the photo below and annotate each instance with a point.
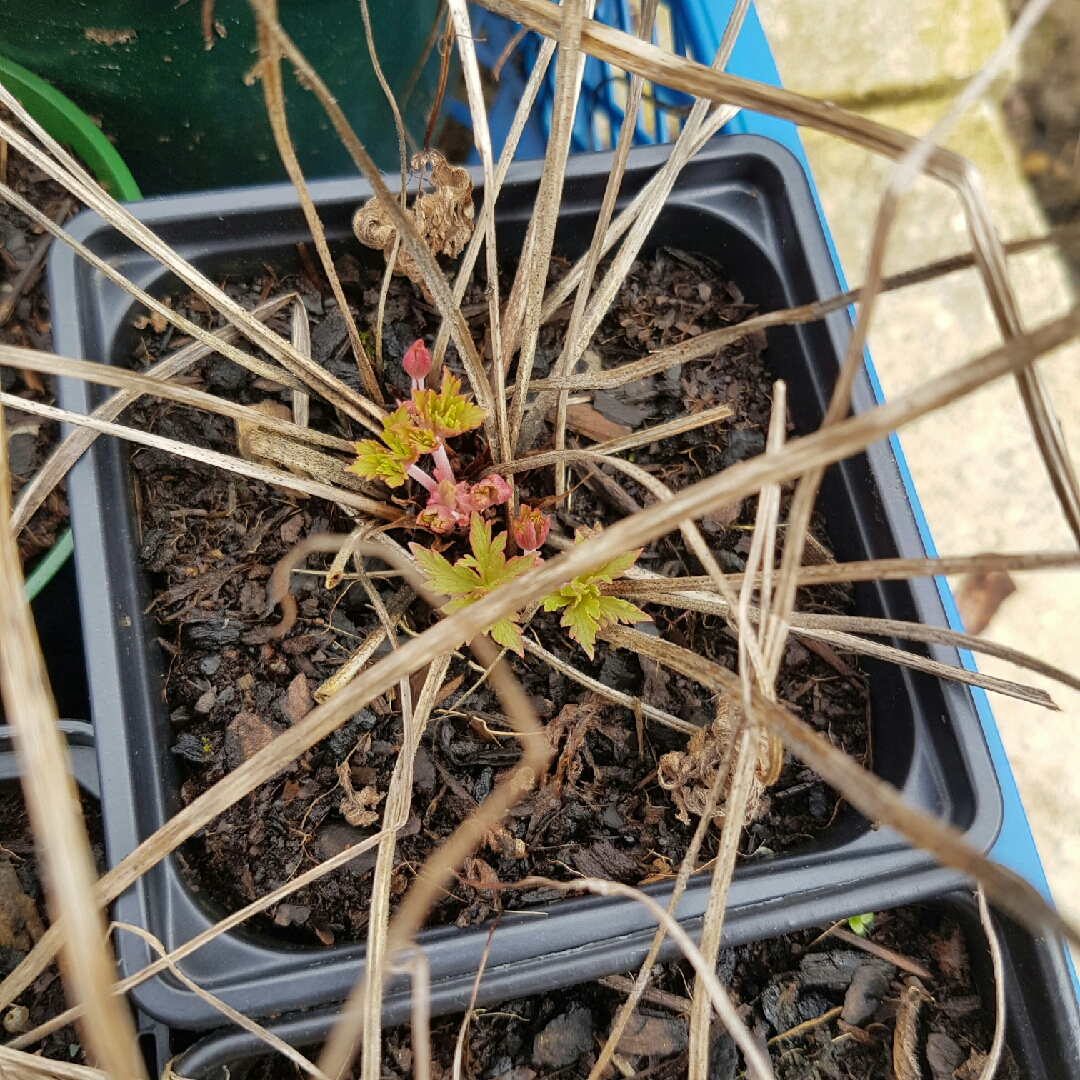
(421, 426)
(477, 574)
(587, 609)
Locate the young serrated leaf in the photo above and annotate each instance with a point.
(450, 580)
(403, 415)
(587, 610)
(475, 575)
(612, 609)
(487, 558)
(507, 633)
(447, 413)
(613, 568)
(375, 462)
(406, 441)
(581, 618)
(484, 548)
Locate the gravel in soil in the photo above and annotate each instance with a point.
(23, 920)
(823, 1010)
(209, 541)
(30, 439)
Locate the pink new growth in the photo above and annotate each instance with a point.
(493, 490)
(417, 363)
(451, 505)
(529, 528)
(421, 426)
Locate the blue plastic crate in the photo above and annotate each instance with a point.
(690, 28)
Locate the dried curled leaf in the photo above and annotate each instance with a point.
(444, 217)
(500, 840)
(357, 807)
(688, 774)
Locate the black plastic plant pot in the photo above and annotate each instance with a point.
(1042, 1021)
(82, 759)
(744, 202)
(56, 620)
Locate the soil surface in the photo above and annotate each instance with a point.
(30, 439)
(23, 919)
(824, 1010)
(209, 542)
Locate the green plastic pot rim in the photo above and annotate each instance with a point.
(71, 127)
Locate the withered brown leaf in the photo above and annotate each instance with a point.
(444, 217)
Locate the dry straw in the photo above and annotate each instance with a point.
(758, 606)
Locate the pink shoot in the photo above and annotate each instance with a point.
(443, 471)
(421, 477)
(530, 528)
(493, 490)
(417, 363)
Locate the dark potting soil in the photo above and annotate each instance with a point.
(209, 541)
(30, 438)
(24, 919)
(823, 1009)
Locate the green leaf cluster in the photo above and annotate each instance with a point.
(861, 924)
(414, 429)
(477, 574)
(587, 609)
(448, 412)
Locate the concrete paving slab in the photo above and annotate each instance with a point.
(847, 51)
(975, 464)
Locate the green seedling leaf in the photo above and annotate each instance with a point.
(448, 412)
(453, 580)
(405, 437)
(375, 462)
(587, 609)
(861, 924)
(477, 574)
(403, 441)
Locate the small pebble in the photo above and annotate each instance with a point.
(943, 1055)
(423, 770)
(298, 701)
(864, 995)
(335, 836)
(22, 448)
(646, 1036)
(245, 736)
(483, 784)
(292, 914)
(206, 702)
(565, 1039)
(209, 665)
